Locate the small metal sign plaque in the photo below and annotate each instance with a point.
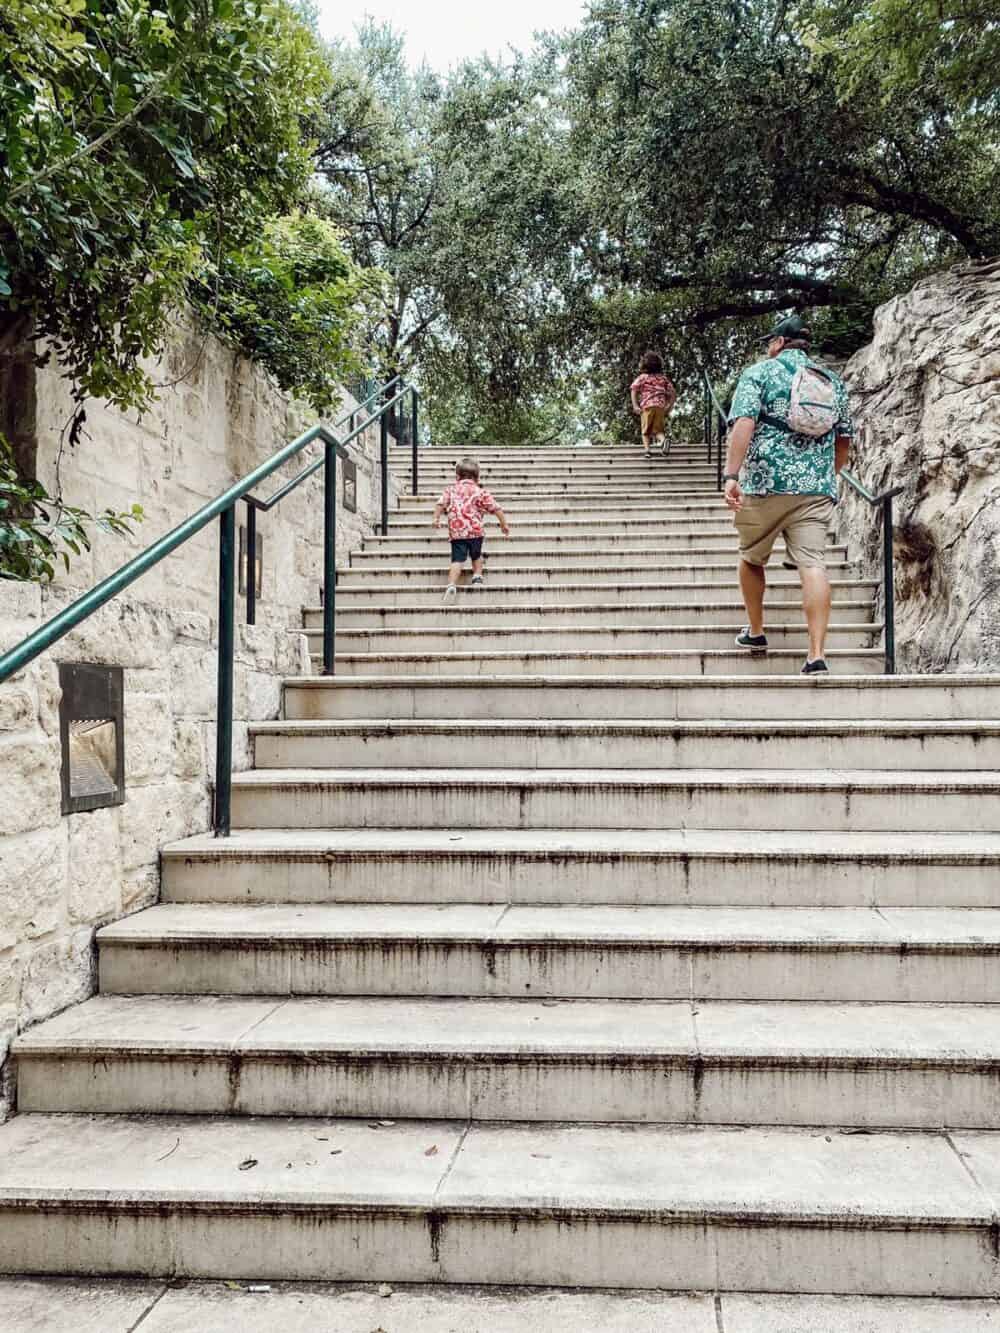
(350, 485)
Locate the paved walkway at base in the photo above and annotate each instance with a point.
(80, 1306)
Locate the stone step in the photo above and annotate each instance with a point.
(683, 501)
(448, 456)
(576, 569)
(653, 698)
(573, 634)
(415, 511)
(485, 608)
(683, 867)
(707, 661)
(900, 955)
(300, 1307)
(701, 1209)
(631, 469)
(497, 596)
(572, 552)
(461, 743)
(548, 545)
(711, 520)
(861, 800)
(682, 1062)
(714, 524)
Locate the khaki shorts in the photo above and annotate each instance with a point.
(803, 519)
(653, 420)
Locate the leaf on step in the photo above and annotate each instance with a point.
(545, 1155)
(335, 1152)
(431, 1151)
(247, 1163)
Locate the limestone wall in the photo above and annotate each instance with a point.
(62, 876)
(926, 395)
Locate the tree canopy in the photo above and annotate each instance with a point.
(670, 173)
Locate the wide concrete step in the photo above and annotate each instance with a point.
(683, 501)
(514, 573)
(623, 513)
(637, 470)
(711, 520)
(572, 553)
(650, 698)
(448, 455)
(571, 634)
(835, 954)
(680, 1062)
(707, 661)
(861, 800)
(662, 867)
(461, 743)
(169, 1307)
(485, 606)
(551, 544)
(694, 1209)
(713, 524)
(376, 594)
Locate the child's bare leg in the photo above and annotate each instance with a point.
(454, 573)
(477, 568)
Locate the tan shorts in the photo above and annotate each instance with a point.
(803, 519)
(653, 420)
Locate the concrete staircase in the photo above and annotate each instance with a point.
(558, 942)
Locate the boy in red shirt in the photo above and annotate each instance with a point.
(465, 503)
(653, 398)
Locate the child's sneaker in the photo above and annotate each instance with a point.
(450, 593)
(477, 580)
(817, 667)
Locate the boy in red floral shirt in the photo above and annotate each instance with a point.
(465, 503)
(653, 398)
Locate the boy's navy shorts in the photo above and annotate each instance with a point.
(466, 548)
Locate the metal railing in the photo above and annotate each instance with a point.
(883, 502)
(716, 423)
(223, 507)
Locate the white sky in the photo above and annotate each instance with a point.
(444, 32)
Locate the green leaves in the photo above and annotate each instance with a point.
(37, 532)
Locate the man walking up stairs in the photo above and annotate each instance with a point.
(557, 942)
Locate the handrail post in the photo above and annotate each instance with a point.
(720, 427)
(329, 557)
(708, 422)
(415, 468)
(224, 700)
(890, 590)
(251, 569)
(383, 449)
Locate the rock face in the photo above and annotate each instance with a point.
(926, 394)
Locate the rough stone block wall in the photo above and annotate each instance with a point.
(926, 395)
(63, 876)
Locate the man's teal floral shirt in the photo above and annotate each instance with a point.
(779, 462)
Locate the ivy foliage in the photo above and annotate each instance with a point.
(38, 530)
(139, 141)
(296, 302)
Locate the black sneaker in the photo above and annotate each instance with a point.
(816, 668)
(755, 642)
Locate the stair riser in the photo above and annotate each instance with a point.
(666, 879)
(526, 515)
(713, 526)
(571, 553)
(599, 806)
(577, 638)
(587, 970)
(607, 599)
(720, 663)
(548, 545)
(377, 750)
(654, 700)
(540, 1247)
(430, 576)
(635, 470)
(580, 1088)
(484, 612)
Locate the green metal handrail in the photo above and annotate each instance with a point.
(223, 507)
(883, 501)
(720, 420)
